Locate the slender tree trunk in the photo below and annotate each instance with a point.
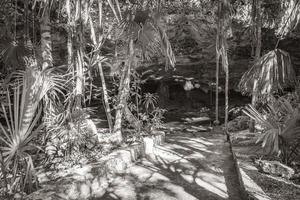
(79, 68)
(258, 30)
(225, 64)
(26, 28)
(102, 77)
(47, 60)
(105, 98)
(46, 44)
(217, 122)
(79, 83)
(223, 26)
(123, 94)
(226, 67)
(257, 35)
(69, 39)
(253, 27)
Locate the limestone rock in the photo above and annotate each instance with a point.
(275, 168)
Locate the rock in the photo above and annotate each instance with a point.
(238, 124)
(200, 128)
(91, 127)
(191, 130)
(148, 145)
(116, 165)
(197, 119)
(275, 168)
(157, 132)
(18, 196)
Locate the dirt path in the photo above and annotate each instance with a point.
(189, 166)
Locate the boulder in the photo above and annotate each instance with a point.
(275, 168)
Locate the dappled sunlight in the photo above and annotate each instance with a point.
(199, 140)
(196, 156)
(215, 180)
(210, 187)
(179, 192)
(183, 169)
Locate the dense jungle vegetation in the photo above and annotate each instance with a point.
(76, 76)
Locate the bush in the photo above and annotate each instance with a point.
(281, 128)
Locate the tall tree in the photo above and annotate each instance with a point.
(143, 33)
(218, 62)
(98, 43)
(123, 93)
(257, 23)
(224, 12)
(46, 43)
(70, 35)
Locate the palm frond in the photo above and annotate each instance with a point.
(290, 19)
(273, 73)
(22, 114)
(150, 38)
(12, 53)
(280, 122)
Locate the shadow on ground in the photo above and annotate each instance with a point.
(189, 166)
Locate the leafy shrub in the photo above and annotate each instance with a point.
(22, 112)
(281, 128)
(71, 132)
(149, 101)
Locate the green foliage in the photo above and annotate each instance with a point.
(21, 117)
(22, 112)
(273, 72)
(143, 26)
(281, 127)
(71, 132)
(12, 54)
(289, 19)
(149, 101)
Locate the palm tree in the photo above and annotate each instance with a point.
(144, 36)
(270, 74)
(218, 62)
(257, 23)
(21, 119)
(97, 45)
(225, 25)
(46, 43)
(224, 11)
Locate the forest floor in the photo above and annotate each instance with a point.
(246, 151)
(190, 165)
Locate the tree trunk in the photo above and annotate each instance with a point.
(257, 35)
(79, 83)
(102, 77)
(133, 121)
(69, 39)
(46, 44)
(47, 60)
(105, 98)
(226, 67)
(217, 122)
(123, 94)
(223, 26)
(258, 31)
(79, 65)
